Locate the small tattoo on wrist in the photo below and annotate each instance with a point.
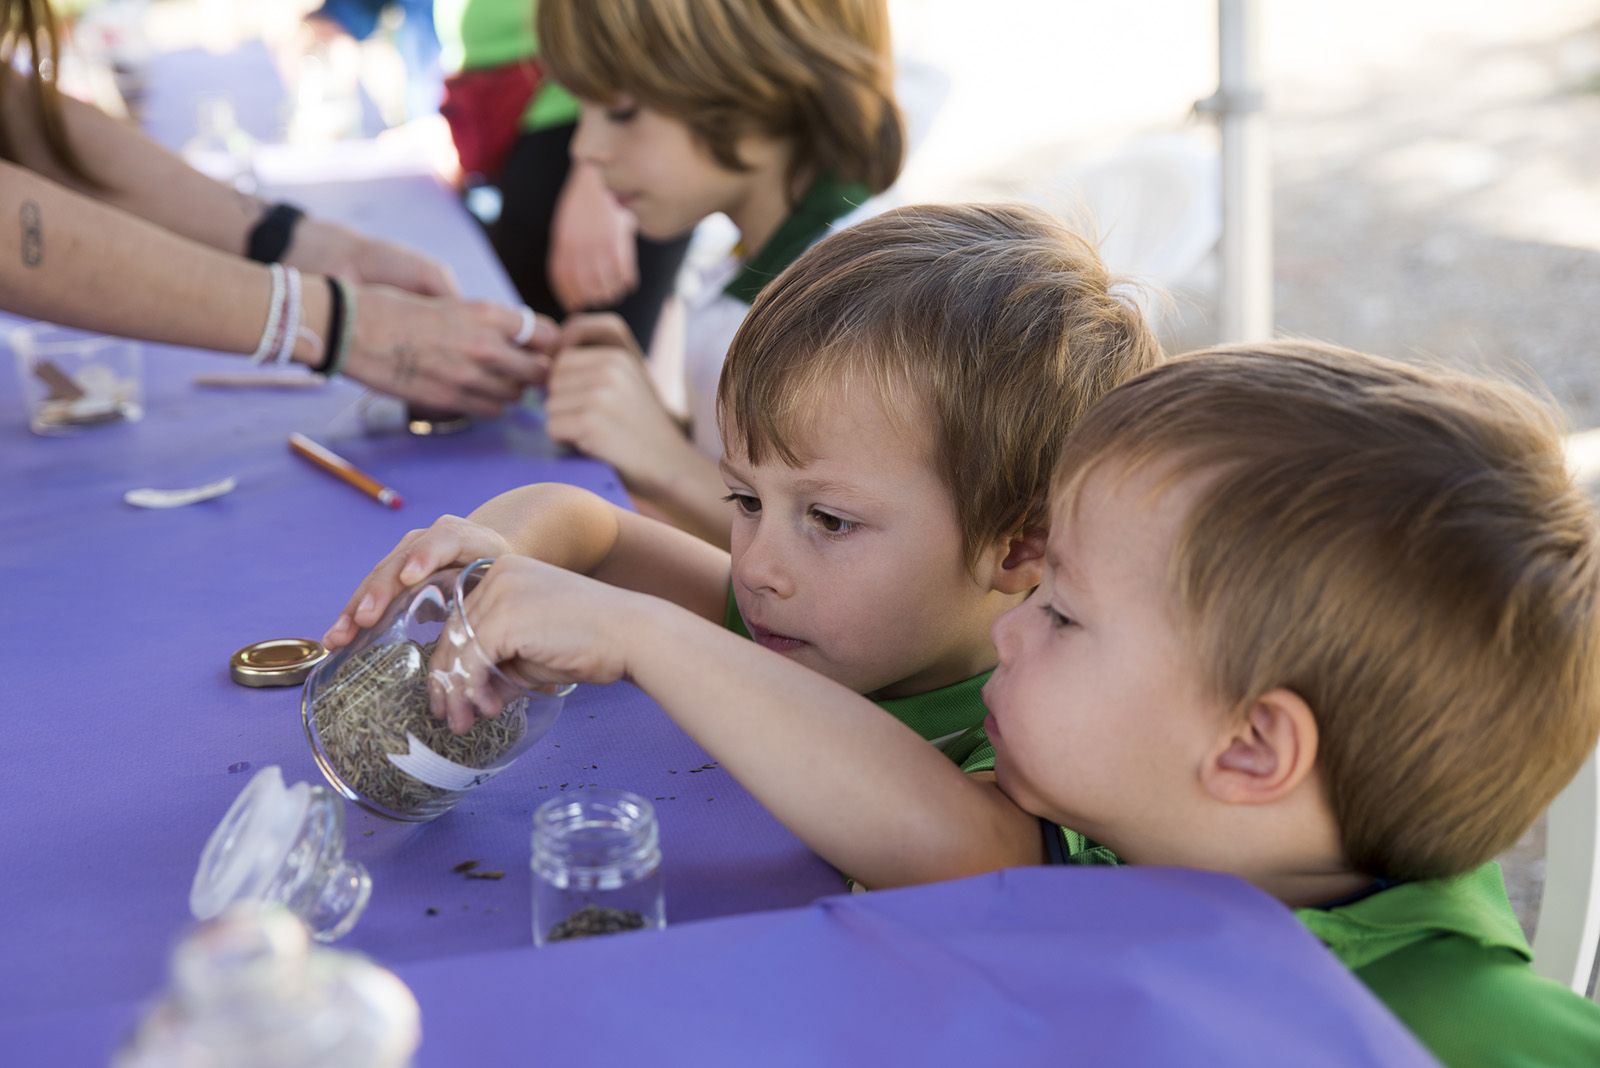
(32, 234)
(405, 363)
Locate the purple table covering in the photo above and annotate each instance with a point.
(1033, 966)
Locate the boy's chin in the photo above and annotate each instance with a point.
(655, 228)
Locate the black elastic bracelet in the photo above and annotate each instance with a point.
(330, 347)
(269, 238)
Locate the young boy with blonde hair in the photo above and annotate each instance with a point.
(893, 407)
(1314, 618)
(781, 117)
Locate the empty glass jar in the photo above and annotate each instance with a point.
(596, 866)
(369, 709)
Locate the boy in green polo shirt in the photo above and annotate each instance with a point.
(1320, 620)
(935, 357)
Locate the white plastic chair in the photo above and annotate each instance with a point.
(1568, 933)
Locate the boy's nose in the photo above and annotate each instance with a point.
(1003, 632)
(589, 142)
(760, 563)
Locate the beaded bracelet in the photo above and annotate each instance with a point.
(291, 320)
(269, 333)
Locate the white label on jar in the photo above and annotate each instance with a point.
(424, 765)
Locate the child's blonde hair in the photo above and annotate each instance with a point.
(816, 72)
(1405, 550)
(991, 329)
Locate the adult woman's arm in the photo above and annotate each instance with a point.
(139, 176)
(74, 260)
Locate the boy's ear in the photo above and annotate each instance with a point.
(1267, 755)
(1021, 566)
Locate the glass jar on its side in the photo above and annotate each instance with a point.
(596, 866)
(283, 845)
(369, 708)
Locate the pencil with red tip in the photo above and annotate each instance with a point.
(344, 470)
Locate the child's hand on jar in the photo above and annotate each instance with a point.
(538, 626)
(449, 542)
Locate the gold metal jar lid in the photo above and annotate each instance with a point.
(276, 662)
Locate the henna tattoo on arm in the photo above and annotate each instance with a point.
(405, 363)
(32, 234)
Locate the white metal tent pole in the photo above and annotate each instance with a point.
(1245, 301)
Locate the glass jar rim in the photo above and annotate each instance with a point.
(640, 828)
(483, 563)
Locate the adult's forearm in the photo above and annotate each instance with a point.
(135, 173)
(73, 260)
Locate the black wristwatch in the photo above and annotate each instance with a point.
(270, 237)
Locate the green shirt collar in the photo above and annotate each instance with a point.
(827, 201)
(1473, 906)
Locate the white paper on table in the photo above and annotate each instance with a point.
(177, 498)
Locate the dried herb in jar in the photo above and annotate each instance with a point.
(375, 704)
(594, 920)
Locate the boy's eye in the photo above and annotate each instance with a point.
(622, 114)
(1057, 620)
(832, 523)
(747, 504)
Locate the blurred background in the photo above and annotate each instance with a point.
(1432, 178)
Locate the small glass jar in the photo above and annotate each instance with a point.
(282, 845)
(596, 866)
(249, 990)
(369, 708)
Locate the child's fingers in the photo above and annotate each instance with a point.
(358, 610)
(604, 329)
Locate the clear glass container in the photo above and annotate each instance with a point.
(73, 379)
(283, 845)
(248, 990)
(596, 866)
(369, 708)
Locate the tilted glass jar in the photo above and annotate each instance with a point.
(369, 708)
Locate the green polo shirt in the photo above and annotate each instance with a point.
(949, 717)
(828, 200)
(1448, 958)
(474, 34)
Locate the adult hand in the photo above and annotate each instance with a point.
(449, 354)
(602, 402)
(537, 624)
(451, 540)
(592, 262)
(326, 248)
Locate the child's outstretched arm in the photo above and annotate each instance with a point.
(856, 785)
(561, 525)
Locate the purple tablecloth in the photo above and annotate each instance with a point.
(1035, 966)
